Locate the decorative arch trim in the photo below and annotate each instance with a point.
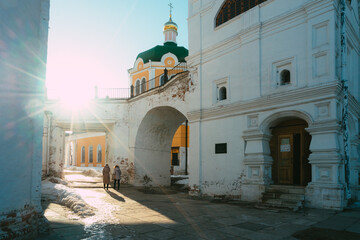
(169, 55)
(278, 117)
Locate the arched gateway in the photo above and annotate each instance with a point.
(152, 150)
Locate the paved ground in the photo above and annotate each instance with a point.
(133, 214)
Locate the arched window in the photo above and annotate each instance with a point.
(137, 87)
(82, 154)
(222, 93)
(285, 77)
(91, 156)
(143, 85)
(99, 154)
(232, 8)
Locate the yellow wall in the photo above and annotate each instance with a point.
(86, 142)
(140, 76)
(180, 137)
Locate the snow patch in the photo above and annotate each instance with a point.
(65, 196)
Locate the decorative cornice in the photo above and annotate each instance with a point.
(268, 102)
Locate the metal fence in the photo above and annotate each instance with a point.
(114, 93)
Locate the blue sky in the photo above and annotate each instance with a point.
(94, 42)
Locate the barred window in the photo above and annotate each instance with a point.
(232, 8)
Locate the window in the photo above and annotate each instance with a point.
(91, 156)
(233, 8)
(137, 87)
(222, 93)
(83, 154)
(285, 77)
(175, 156)
(220, 148)
(99, 154)
(143, 85)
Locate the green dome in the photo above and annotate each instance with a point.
(154, 54)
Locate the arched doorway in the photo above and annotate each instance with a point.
(289, 147)
(153, 146)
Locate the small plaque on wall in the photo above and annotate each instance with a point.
(220, 148)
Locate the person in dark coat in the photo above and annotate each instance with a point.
(106, 176)
(117, 176)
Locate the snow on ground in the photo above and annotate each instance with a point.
(183, 181)
(89, 171)
(53, 189)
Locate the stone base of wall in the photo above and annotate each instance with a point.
(252, 192)
(328, 196)
(22, 224)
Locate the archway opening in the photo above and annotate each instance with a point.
(289, 147)
(161, 147)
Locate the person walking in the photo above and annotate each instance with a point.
(106, 176)
(117, 176)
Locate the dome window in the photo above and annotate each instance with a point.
(285, 77)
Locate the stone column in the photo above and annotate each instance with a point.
(56, 151)
(257, 165)
(327, 187)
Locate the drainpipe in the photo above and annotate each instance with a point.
(200, 102)
(345, 89)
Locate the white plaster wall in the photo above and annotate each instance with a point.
(23, 23)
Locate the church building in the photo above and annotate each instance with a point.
(148, 70)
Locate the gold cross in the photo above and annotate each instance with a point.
(170, 5)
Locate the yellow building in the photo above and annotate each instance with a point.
(179, 148)
(85, 150)
(90, 152)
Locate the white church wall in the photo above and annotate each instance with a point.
(23, 23)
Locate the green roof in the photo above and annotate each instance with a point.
(155, 53)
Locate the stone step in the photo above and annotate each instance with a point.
(286, 189)
(284, 203)
(277, 195)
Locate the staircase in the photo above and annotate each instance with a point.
(282, 196)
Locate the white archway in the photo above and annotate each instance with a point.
(153, 141)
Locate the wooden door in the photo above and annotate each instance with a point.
(285, 159)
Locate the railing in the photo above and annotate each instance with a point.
(160, 80)
(126, 93)
(114, 93)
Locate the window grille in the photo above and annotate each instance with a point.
(233, 8)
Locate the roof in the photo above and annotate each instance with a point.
(155, 53)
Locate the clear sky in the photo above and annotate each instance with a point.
(95, 42)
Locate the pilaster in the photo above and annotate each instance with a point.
(257, 165)
(327, 188)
